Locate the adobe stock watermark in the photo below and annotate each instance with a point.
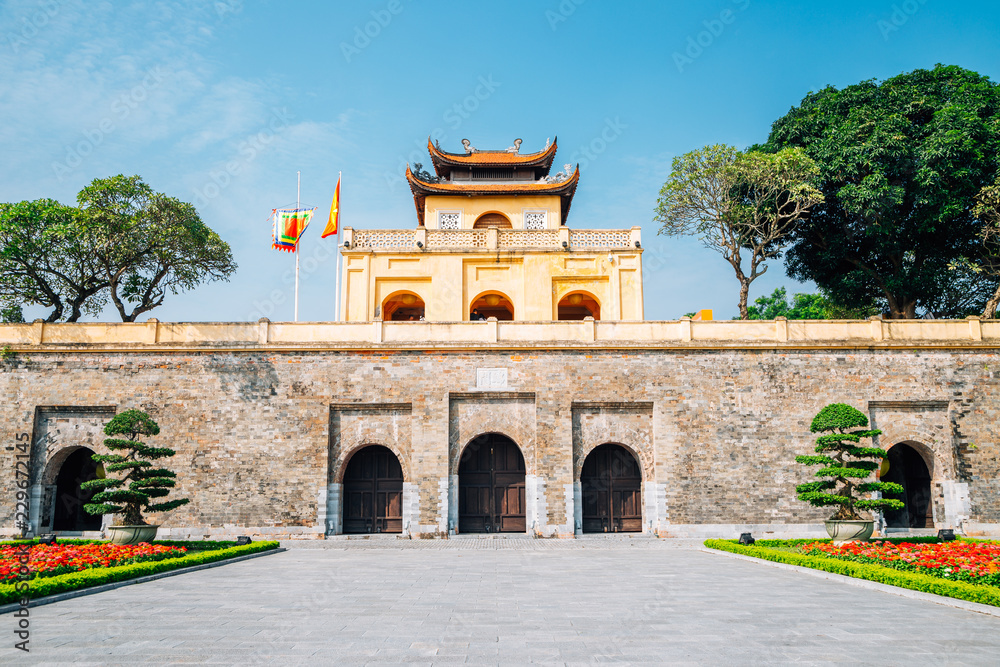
(454, 116)
(363, 35)
(248, 150)
(222, 9)
(32, 24)
(714, 27)
(589, 152)
(564, 10)
(121, 109)
(901, 13)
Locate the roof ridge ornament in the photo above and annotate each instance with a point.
(469, 148)
(516, 148)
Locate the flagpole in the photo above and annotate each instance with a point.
(298, 198)
(336, 288)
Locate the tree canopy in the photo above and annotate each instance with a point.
(123, 243)
(802, 307)
(738, 202)
(901, 164)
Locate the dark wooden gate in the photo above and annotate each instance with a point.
(611, 485)
(491, 486)
(373, 492)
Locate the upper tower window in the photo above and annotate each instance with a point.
(534, 219)
(449, 220)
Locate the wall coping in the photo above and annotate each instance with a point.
(153, 335)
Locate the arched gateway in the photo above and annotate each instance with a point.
(373, 492)
(491, 486)
(908, 468)
(611, 489)
(68, 511)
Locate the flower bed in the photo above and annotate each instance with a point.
(50, 560)
(778, 551)
(20, 591)
(974, 562)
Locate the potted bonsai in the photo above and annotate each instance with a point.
(847, 463)
(132, 464)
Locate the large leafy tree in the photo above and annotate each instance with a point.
(738, 203)
(901, 163)
(148, 243)
(44, 262)
(124, 243)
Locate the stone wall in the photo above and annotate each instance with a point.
(263, 435)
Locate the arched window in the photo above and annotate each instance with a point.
(403, 307)
(491, 304)
(498, 220)
(578, 305)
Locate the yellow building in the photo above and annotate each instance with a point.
(491, 241)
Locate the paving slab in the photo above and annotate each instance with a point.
(504, 601)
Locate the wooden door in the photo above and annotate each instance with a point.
(373, 492)
(611, 485)
(491, 487)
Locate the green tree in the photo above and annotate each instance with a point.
(145, 483)
(803, 307)
(43, 262)
(147, 243)
(846, 464)
(901, 163)
(738, 202)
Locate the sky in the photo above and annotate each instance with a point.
(220, 103)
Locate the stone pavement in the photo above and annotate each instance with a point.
(501, 601)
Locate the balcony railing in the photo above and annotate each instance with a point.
(492, 239)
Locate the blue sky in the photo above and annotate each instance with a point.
(220, 103)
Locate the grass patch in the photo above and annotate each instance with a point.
(769, 550)
(42, 587)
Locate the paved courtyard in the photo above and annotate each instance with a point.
(496, 601)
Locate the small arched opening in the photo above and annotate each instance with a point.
(491, 304)
(68, 514)
(403, 307)
(611, 490)
(491, 486)
(373, 492)
(905, 466)
(494, 220)
(578, 305)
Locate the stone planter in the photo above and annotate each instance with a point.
(132, 534)
(845, 531)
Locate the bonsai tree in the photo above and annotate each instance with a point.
(846, 464)
(138, 483)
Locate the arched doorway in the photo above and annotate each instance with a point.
(491, 486)
(492, 304)
(69, 514)
(611, 488)
(403, 307)
(908, 468)
(578, 305)
(496, 220)
(373, 492)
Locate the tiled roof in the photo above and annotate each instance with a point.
(564, 189)
(443, 161)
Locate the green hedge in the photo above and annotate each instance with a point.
(883, 575)
(38, 588)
